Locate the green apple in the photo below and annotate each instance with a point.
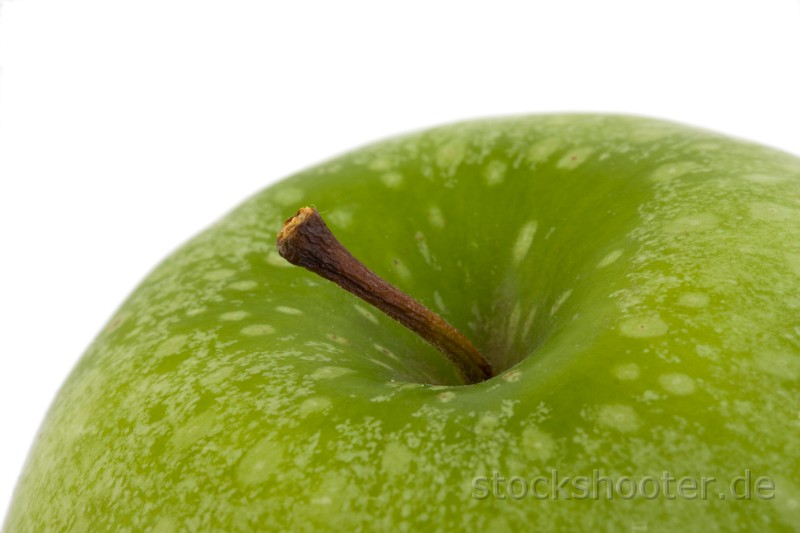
(634, 283)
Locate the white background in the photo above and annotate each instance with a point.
(126, 127)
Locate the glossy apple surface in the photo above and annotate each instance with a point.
(636, 282)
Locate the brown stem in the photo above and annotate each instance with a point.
(306, 241)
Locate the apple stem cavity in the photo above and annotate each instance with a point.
(305, 240)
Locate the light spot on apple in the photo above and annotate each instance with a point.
(575, 158)
(560, 301)
(693, 223)
(275, 259)
(246, 285)
(216, 275)
(772, 212)
(487, 424)
(523, 243)
(233, 316)
(610, 258)
(512, 376)
(693, 299)
(784, 366)
(385, 351)
(437, 299)
(794, 262)
(447, 396)
(392, 180)
(288, 196)
(627, 372)
(401, 269)
(494, 172)
(537, 444)
(198, 427)
(450, 155)
(620, 417)
(340, 218)
(396, 459)
(764, 179)
(422, 246)
(365, 313)
(316, 404)
(672, 171)
(435, 217)
(260, 463)
(642, 326)
(258, 330)
(171, 346)
(677, 384)
(330, 372)
(338, 339)
(543, 150)
(288, 310)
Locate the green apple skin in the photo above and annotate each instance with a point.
(635, 282)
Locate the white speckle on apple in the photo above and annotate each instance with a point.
(171, 346)
(526, 327)
(422, 246)
(288, 310)
(784, 366)
(560, 301)
(794, 262)
(381, 363)
(523, 242)
(288, 196)
(693, 299)
(260, 463)
(337, 338)
(196, 310)
(765, 179)
(575, 158)
(401, 269)
(437, 299)
(672, 171)
(772, 212)
(275, 259)
(677, 384)
(494, 173)
(693, 223)
(620, 417)
(257, 330)
(446, 396)
(649, 325)
(537, 444)
(330, 372)
(247, 284)
(627, 372)
(396, 458)
(450, 155)
(543, 150)
(486, 424)
(435, 217)
(340, 218)
(232, 316)
(386, 352)
(366, 313)
(199, 426)
(392, 180)
(315, 404)
(512, 376)
(611, 257)
(216, 275)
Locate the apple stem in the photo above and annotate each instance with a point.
(306, 241)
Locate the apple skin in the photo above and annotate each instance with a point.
(636, 283)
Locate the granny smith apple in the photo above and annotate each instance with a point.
(634, 284)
